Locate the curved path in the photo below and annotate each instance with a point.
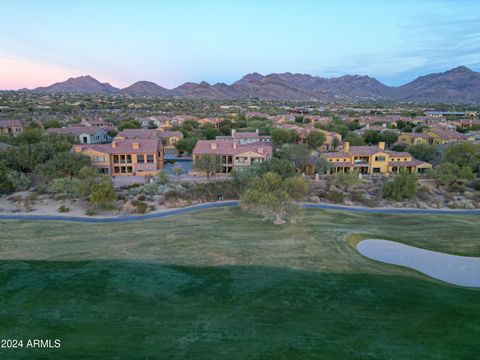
(166, 213)
(453, 269)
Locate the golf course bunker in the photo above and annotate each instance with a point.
(453, 269)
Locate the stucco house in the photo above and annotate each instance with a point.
(11, 127)
(233, 154)
(369, 160)
(84, 134)
(126, 157)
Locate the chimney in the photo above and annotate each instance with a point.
(78, 149)
(381, 145)
(346, 147)
(135, 145)
(235, 145)
(256, 130)
(213, 145)
(367, 126)
(384, 125)
(114, 144)
(233, 132)
(260, 150)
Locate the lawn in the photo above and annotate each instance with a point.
(219, 284)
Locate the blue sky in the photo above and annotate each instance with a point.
(170, 42)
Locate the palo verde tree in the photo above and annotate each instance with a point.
(208, 164)
(273, 197)
(404, 186)
(315, 139)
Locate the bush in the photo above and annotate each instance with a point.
(63, 209)
(70, 187)
(103, 194)
(90, 212)
(404, 186)
(334, 196)
(18, 180)
(140, 206)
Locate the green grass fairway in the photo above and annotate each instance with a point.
(219, 284)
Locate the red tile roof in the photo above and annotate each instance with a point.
(204, 147)
(76, 130)
(125, 146)
(10, 123)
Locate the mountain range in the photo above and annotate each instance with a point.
(458, 85)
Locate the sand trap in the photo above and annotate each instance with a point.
(453, 269)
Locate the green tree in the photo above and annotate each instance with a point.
(354, 139)
(62, 165)
(423, 152)
(273, 197)
(297, 153)
(18, 180)
(463, 154)
(187, 144)
(448, 173)
(162, 177)
(346, 180)
(208, 164)
(322, 165)
(103, 194)
(335, 143)
(129, 124)
(283, 136)
(404, 186)
(315, 139)
(68, 186)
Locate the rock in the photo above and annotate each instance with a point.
(314, 199)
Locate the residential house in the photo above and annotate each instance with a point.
(233, 154)
(246, 137)
(11, 127)
(469, 123)
(377, 128)
(304, 131)
(169, 138)
(413, 138)
(98, 123)
(256, 114)
(369, 160)
(125, 157)
(180, 119)
(215, 121)
(84, 134)
(438, 136)
(282, 119)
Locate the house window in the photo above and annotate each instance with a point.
(129, 159)
(150, 158)
(100, 159)
(376, 170)
(379, 158)
(140, 159)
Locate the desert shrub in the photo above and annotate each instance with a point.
(334, 196)
(141, 198)
(476, 184)
(404, 186)
(140, 206)
(63, 209)
(356, 196)
(90, 212)
(70, 187)
(18, 180)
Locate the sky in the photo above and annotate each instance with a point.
(172, 42)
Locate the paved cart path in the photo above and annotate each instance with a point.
(172, 212)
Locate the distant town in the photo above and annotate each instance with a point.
(349, 153)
